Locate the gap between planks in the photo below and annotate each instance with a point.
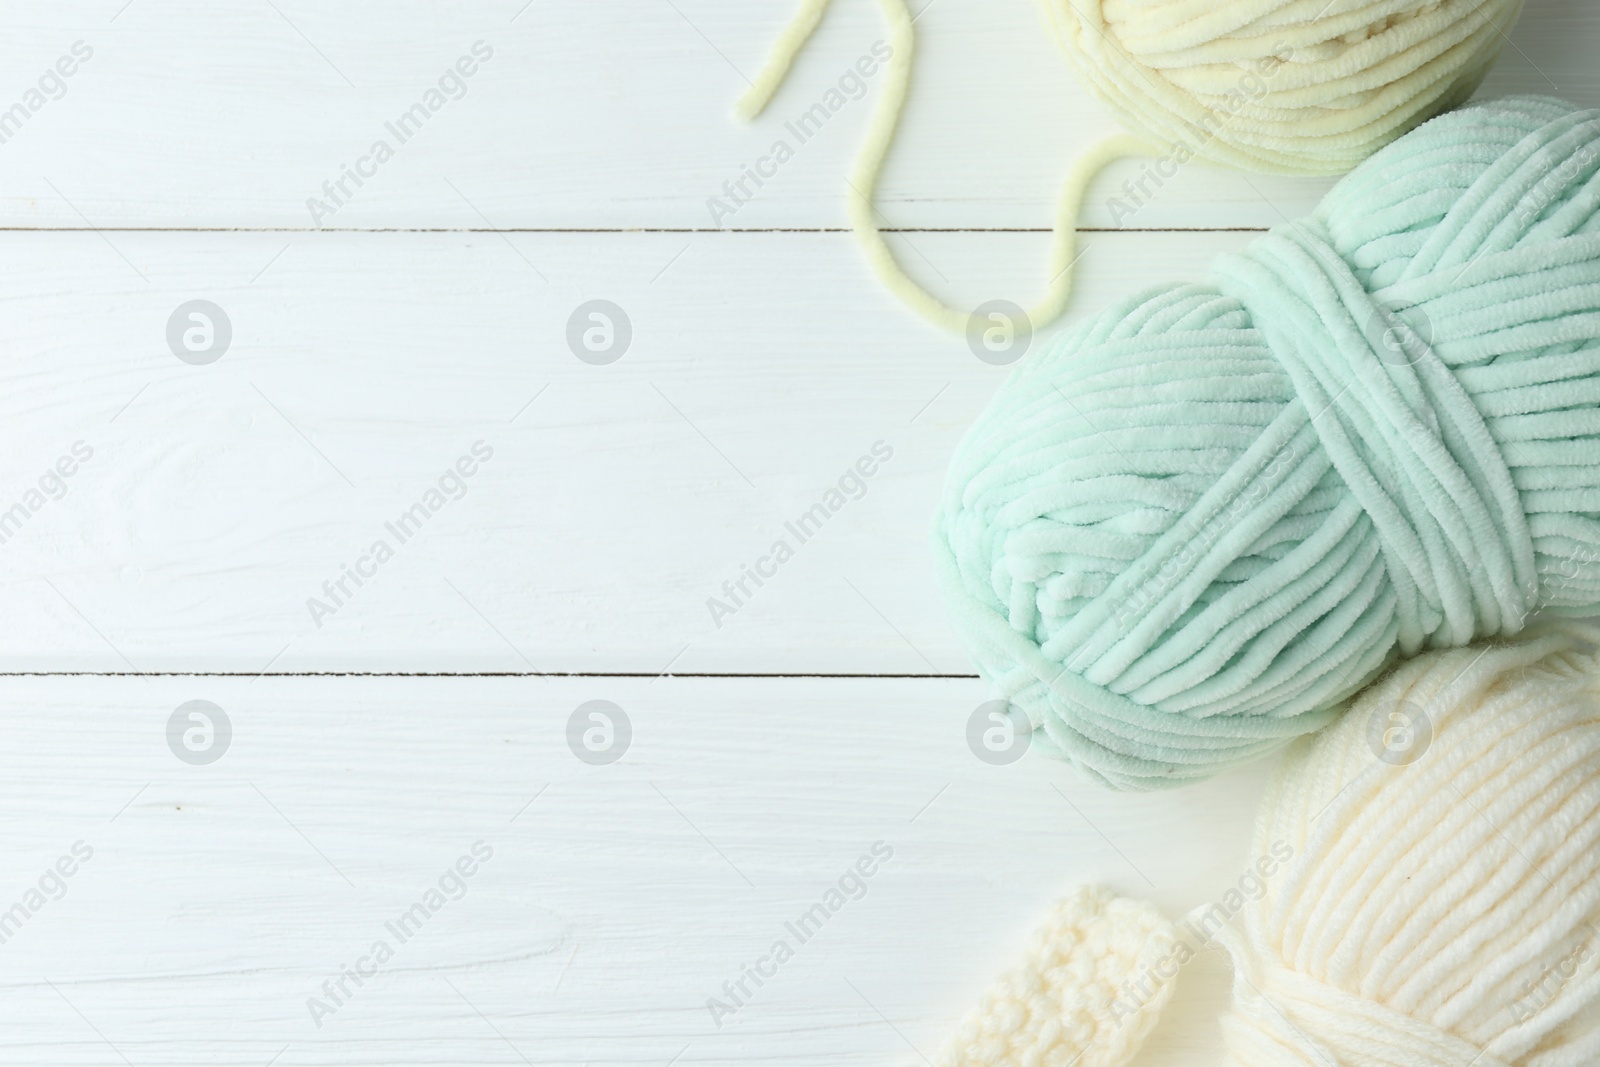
(483, 674)
(617, 229)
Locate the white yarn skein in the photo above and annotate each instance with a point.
(1444, 904)
(1440, 906)
(1276, 86)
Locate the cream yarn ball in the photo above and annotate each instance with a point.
(1425, 892)
(1445, 904)
(1280, 86)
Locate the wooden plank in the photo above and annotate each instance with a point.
(194, 114)
(618, 898)
(619, 499)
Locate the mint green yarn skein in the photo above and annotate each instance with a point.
(1187, 529)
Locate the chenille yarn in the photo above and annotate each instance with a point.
(1439, 907)
(1444, 906)
(1279, 86)
(1185, 531)
(1350, 76)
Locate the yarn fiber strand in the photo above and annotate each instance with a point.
(1445, 909)
(1423, 890)
(1355, 74)
(1279, 86)
(1187, 529)
(885, 121)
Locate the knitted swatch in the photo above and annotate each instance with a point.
(1185, 531)
(1060, 1006)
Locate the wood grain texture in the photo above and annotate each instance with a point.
(363, 365)
(588, 115)
(221, 498)
(219, 898)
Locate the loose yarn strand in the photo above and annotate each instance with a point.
(1274, 86)
(881, 129)
(784, 50)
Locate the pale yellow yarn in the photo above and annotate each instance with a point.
(1281, 86)
(1352, 74)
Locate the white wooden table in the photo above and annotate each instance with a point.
(375, 343)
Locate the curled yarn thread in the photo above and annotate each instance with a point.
(863, 181)
(1185, 532)
(1441, 903)
(1280, 86)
